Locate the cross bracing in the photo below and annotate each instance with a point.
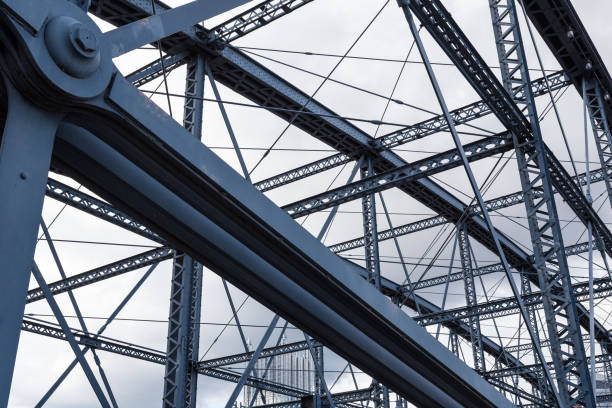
(156, 183)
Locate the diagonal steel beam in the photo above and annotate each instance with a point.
(256, 17)
(108, 271)
(163, 253)
(396, 177)
(417, 131)
(560, 27)
(156, 69)
(98, 208)
(69, 336)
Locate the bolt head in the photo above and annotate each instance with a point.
(85, 41)
(570, 34)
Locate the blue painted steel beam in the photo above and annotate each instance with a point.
(180, 382)
(244, 269)
(561, 28)
(108, 271)
(507, 306)
(98, 208)
(153, 28)
(373, 183)
(25, 155)
(256, 17)
(149, 256)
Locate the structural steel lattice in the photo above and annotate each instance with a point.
(68, 111)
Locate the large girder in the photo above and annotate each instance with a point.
(391, 289)
(80, 155)
(561, 28)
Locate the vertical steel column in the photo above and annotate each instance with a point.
(370, 230)
(370, 235)
(601, 131)
(454, 342)
(180, 381)
(571, 366)
(318, 381)
(471, 299)
(531, 312)
(25, 155)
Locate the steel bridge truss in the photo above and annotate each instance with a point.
(68, 109)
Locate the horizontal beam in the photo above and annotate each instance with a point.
(525, 396)
(302, 172)
(410, 172)
(493, 204)
(130, 350)
(253, 382)
(156, 68)
(111, 270)
(364, 394)
(536, 368)
(265, 353)
(502, 307)
(487, 269)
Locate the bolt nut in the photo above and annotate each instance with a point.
(85, 41)
(588, 66)
(607, 97)
(73, 45)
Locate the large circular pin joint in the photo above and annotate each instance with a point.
(73, 46)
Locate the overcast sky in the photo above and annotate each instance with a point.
(329, 27)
